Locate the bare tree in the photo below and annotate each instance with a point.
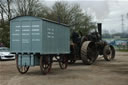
(9, 9)
(5, 6)
(28, 7)
(2, 15)
(2, 10)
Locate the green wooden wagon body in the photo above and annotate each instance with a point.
(32, 35)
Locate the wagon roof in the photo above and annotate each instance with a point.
(42, 19)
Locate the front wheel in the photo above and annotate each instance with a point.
(109, 53)
(21, 69)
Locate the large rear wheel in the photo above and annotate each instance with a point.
(109, 53)
(45, 64)
(88, 52)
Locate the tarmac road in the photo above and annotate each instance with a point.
(100, 73)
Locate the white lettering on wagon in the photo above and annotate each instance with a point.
(35, 39)
(35, 29)
(26, 30)
(50, 29)
(15, 40)
(17, 30)
(35, 33)
(25, 34)
(50, 33)
(18, 26)
(15, 34)
(35, 25)
(26, 26)
(50, 36)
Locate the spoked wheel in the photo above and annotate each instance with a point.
(21, 69)
(45, 64)
(109, 53)
(88, 53)
(63, 62)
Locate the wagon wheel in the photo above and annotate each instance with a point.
(45, 64)
(109, 53)
(21, 69)
(88, 53)
(63, 62)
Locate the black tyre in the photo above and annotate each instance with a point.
(88, 52)
(109, 53)
(21, 69)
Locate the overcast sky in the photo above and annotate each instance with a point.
(106, 11)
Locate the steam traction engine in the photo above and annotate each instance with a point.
(88, 47)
